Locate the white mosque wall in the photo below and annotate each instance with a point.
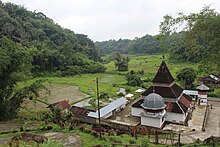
(203, 101)
(136, 111)
(202, 96)
(152, 121)
(175, 117)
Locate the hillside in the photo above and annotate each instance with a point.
(145, 45)
(52, 47)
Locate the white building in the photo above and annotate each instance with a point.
(153, 111)
(129, 96)
(202, 94)
(110, 109)
(192, 93)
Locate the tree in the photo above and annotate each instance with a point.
(133, 79)
(186, 76)
(202, 38)
(121, 62)
(15, 64)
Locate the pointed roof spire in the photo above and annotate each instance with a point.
(163, 74)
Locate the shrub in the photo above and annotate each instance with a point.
(81, 128)
(133, 79)
(132, 141)
(111, 132)
(95, 134)
(87, 130)
(88, 67)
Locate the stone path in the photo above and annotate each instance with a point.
(212, 126)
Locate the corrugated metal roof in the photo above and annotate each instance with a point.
(190, 92)
(202, 87)
(109, 108)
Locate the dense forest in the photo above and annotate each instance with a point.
(145, 45)
(199, 41)
(51, 47)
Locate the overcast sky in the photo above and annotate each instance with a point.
(113, 19)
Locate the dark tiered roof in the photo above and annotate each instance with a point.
(164, 86)
(138, 103)
(163, 75)
(166, 92)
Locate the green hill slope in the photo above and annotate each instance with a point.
(52, 47)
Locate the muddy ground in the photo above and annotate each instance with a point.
(58, 92)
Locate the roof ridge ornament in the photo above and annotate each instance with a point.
(153, 89)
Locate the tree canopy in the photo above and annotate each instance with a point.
(31, 43)
(186, 76)
(15, 64)
(201, 37)
(146, 44)
(133, 79)
(121, 62)
(52, 47)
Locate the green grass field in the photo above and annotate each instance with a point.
(87, 82)
(111, 81)
(150, 63)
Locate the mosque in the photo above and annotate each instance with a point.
(162, 102)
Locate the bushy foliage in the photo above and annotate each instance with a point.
(121, 62)
(133, 79)
(186, 76)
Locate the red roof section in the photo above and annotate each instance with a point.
(60, 105)
(173, 107)
(185, 100)
(80, 111)
(163, 75)
(169, 106)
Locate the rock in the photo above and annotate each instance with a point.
(26, 137)
(67, 139)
